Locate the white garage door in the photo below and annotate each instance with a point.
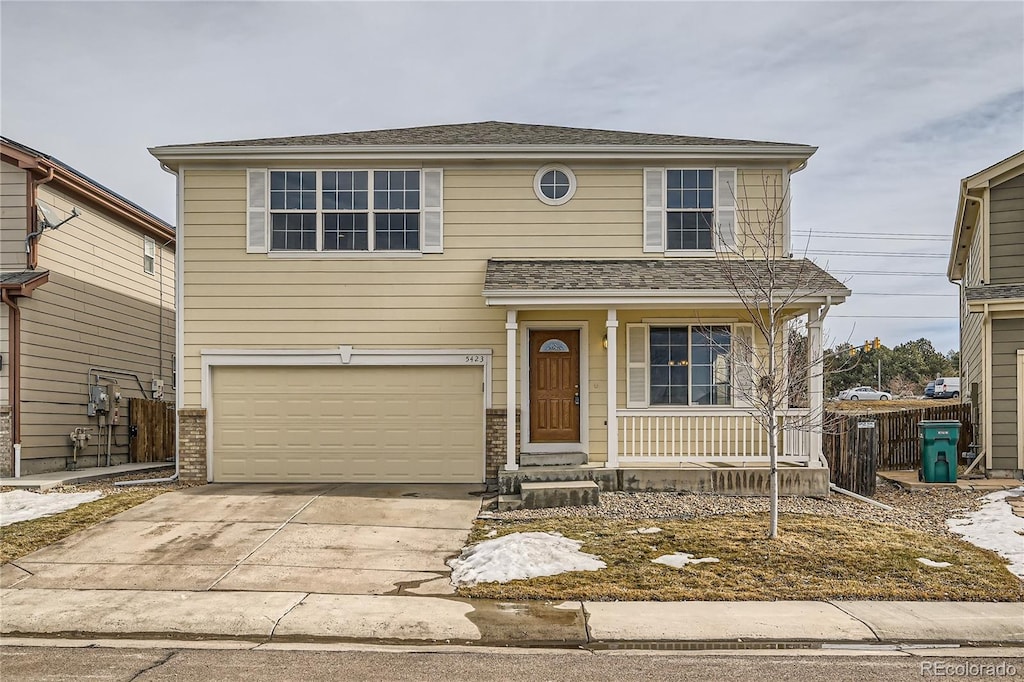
(381, 424)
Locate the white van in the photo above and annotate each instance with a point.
(947, 387)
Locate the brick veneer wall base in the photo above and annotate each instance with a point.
(495, 439)
(192, 445)
(6, 447)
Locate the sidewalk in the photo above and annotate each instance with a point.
(53, 479)
(382, 619)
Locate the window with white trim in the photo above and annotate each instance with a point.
(346, 210)
(689, 210)
(149, 255)
(677, 365)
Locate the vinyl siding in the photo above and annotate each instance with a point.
(6, 351)
(13, 216)
(239, 300)
(1006, 232)
(758, 212)
(98, 309)
(972, 348)
(1007, 339)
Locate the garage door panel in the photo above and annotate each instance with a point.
(369, 424)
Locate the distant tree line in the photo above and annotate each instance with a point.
(906, 368)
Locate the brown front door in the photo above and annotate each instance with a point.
(554, 386)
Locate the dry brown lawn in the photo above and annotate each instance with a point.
(854, 406)
(814, 558)
(25, 537)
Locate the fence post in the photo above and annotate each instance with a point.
(862, 455)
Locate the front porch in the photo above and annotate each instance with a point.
(668, 405)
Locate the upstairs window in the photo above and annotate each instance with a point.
(148, 255)
(690, 209)
(345, 211)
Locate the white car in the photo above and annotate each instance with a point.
(864, 393)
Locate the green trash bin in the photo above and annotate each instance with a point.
(938, 450)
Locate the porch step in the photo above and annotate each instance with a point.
(509, 482)
(553, 459)
(509, 502)
(540, 495)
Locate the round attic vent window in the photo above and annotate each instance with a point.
(554, 185)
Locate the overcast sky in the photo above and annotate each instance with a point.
(903, 99)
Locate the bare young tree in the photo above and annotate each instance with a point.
(776, 291)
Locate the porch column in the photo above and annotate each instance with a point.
(611, 329)
(510, 390)
(815, 385)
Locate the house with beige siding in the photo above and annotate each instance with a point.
(87, 319)
(480, 301)
(987, 260)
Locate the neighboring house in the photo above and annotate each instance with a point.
(368, 306)
(987, 258)
(87, 280)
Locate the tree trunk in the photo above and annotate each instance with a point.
(773, 478)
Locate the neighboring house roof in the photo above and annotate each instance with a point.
(487, 137)
(32, 159)
(968, 208)
(643, 276)
(994, 292)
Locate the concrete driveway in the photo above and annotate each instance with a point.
(338, 538)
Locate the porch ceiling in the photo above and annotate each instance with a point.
(645, 282)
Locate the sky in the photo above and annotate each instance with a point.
(902, 100)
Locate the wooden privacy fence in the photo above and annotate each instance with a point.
(855, 450)
(151, 424)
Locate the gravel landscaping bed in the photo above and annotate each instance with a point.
(924, 511)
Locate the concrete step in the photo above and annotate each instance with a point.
(541, 495)
(509, 502)
(553, 459)
(509, 482)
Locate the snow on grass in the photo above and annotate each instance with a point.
(680, 559)
(644, 531)
(21, 505)
(933, 564)
(519, 556)
(995, 527)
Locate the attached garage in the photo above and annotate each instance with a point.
(389, 424)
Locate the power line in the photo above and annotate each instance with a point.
(887, 273)
(889, 293)
(877, 254)
(902, 317)
(873, 236)
(910, 235)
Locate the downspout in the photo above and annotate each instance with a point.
(14, 375)
(32, 257)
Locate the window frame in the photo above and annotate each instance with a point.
(542, 171)
(713, 210)
(148, 259)
(734, 399)
(371, 212)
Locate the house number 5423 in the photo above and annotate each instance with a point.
(474, 359)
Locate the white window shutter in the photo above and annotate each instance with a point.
(725, 208)
(432, 237)
(654, 210)
(636, 365)
(256, 215)
(743, 364)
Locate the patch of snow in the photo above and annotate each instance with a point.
(21, 505)
(680, 559)
(644, 531)
(933, 564)
(995, 527)
(492, 533)
(518, 556)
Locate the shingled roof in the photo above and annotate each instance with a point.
(490, 133)
(994, 292)
(682, 275)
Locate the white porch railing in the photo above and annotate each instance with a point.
(677, 437)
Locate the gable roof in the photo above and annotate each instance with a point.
(30, 159)
(491, 138)
(489, 133)
(968, 208)
(651, 276)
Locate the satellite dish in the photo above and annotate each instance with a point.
(51, 219)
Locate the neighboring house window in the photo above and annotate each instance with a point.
(346, 204)
(690, 209)
(685, 365)
(554, 185)
(149, 255)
